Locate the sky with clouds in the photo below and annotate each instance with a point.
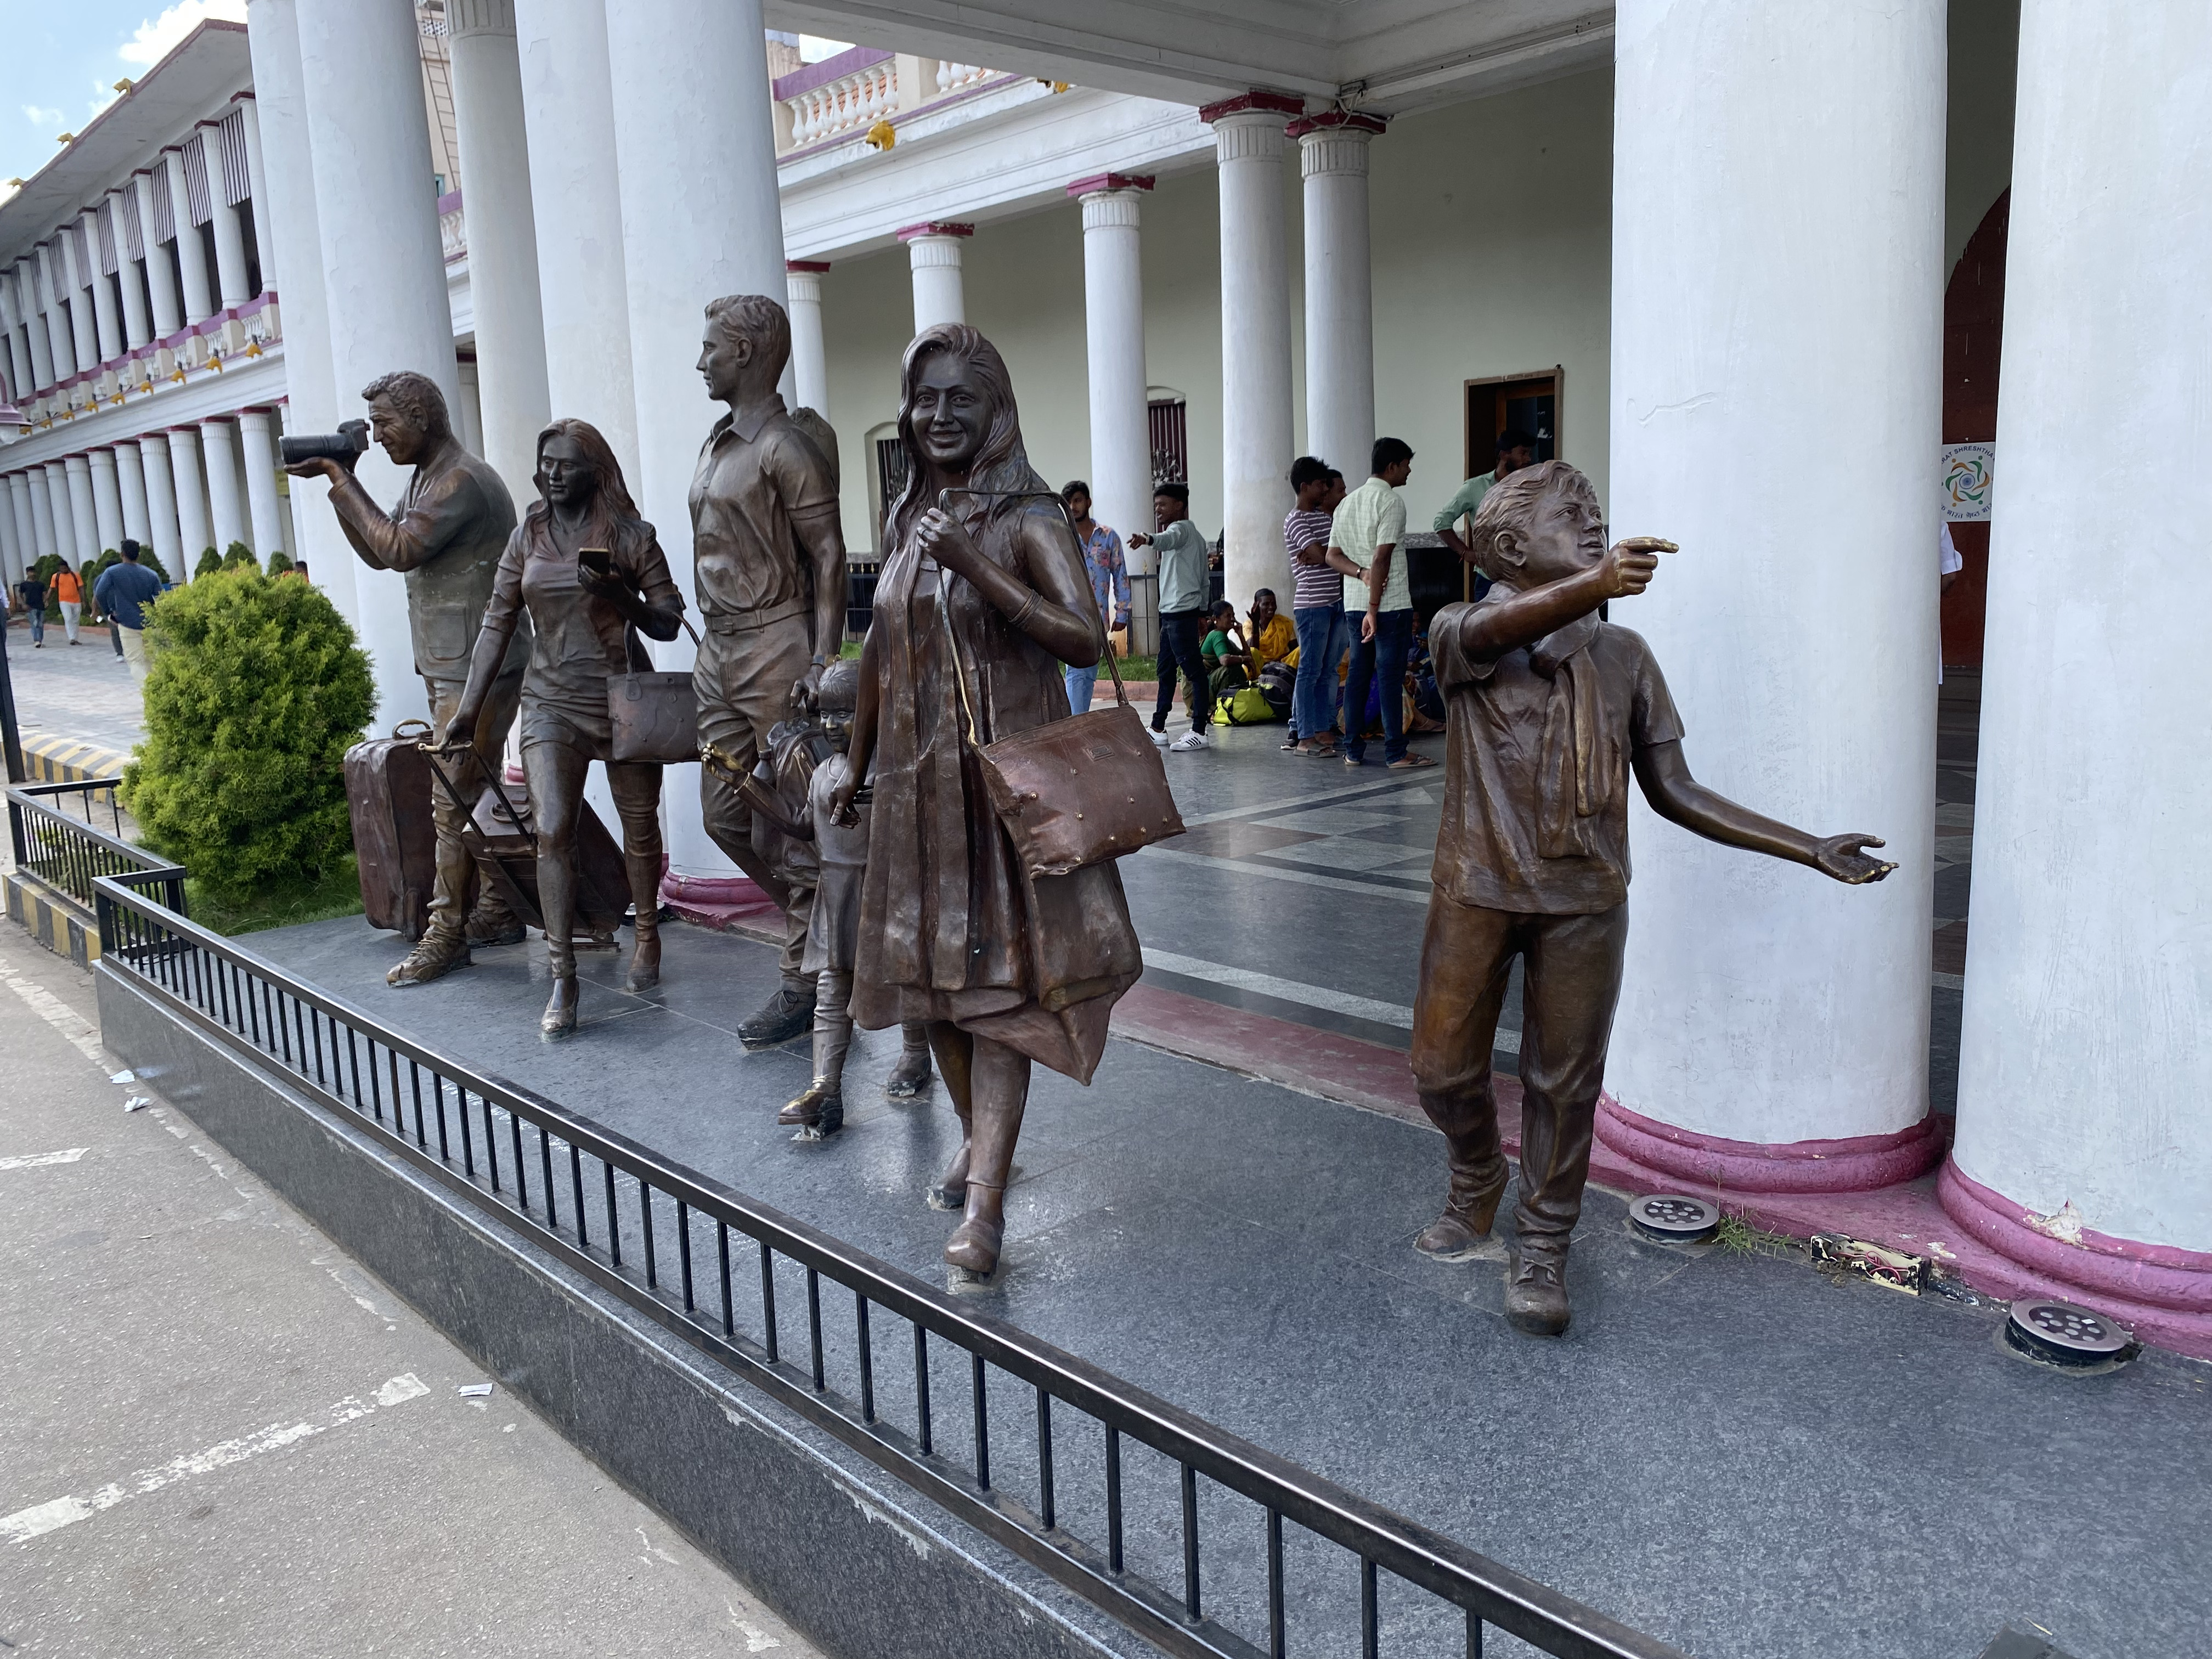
(62, 63)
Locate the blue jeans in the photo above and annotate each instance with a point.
(1080, 683)
(1323, 634)
(1380, 660)
(39, 626)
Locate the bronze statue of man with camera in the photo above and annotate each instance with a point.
(445, 535)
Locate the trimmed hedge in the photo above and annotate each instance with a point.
(256, 691)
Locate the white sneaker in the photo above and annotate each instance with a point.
(1161, 739)
(1187, 742)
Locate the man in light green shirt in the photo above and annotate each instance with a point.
(1182, 552)
(1515, 449)
(1365, 535)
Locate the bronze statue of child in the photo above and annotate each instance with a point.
(791, 795)
(1548, 709)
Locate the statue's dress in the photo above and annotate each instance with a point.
(950, 927)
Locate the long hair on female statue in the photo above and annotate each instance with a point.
(1002, 465)
(613, 503)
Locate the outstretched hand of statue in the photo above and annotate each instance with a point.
(946, 539)
(1844, 857)
(1629, 564)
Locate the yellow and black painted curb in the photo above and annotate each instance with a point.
(52, 918)
(69, 760)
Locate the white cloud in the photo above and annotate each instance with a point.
(157, 36)
(41, 118)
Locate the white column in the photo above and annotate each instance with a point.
(83, 331)
(1340, 290)
(29, 311)
(138, 329)
(2085, 1076)
(227, 513)
(109, 329)
(688, 82)
(130, 481)
(26, 518)
(295, 247)
(257, 180)
(567, 106)
(233, 285)
(1114, 332)
(1255, 343)
(83, 511)
(162, 507)
(106, 501)
(384, 271)
(50, 530)
(809, 352)
(933, 253)
(256, 441)
(1764, 1003)
(161, 272)
(192, 526)
(495, 160)
(61, 333)
(19, 341)
(191, 252)
(12, 562)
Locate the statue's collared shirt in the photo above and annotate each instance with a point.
(756, 480)
(1538, 749)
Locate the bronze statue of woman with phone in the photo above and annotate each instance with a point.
(593, 577)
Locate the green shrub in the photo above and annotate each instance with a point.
(237, 554)
(257, 690)
(279, 562)
(152, 560)
(208, 563)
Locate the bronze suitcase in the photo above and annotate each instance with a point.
(502, 836)
(387, 783)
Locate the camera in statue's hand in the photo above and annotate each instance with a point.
(325, 454)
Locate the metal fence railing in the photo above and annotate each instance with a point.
(69, 854)
(1199, 1542)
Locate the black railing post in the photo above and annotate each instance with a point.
(11, 738)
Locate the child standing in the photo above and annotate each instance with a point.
(832, 930)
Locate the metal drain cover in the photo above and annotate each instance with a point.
(1674, 1219)
(2064, 1334)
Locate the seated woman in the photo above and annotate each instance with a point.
(1228, 661)
(1272, 637)
(591, 575)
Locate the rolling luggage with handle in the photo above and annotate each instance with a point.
(395, 839)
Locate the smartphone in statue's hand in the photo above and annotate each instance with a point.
(597, 560)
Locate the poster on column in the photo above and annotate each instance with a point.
(1968, 470)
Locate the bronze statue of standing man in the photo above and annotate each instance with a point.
(445, 535)
(1549, 708)
(769, 554)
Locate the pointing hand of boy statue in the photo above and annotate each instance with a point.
(1629, 564)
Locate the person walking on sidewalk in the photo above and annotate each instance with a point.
(69, 593)
(1107, 567)
(1183, 552)
(33, 594)
(1367, 530)
(123, 592)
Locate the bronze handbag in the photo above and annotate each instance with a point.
(1077, 792)
(655, 717)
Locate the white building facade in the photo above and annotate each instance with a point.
(1715, 248)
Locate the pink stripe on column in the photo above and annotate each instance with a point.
(1856, 1163)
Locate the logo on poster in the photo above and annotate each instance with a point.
(1967, 471)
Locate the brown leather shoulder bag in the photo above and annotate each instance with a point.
(1076, 792)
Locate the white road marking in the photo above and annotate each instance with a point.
(1309, 996)
(1301, 877)
(1342, 795)
(81, 1032)
(39, 1160)
(50, 1516)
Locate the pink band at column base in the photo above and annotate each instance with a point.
(2106, 1269)
(1859, 1163)
(721, 902)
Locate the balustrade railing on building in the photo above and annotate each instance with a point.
(845, 96)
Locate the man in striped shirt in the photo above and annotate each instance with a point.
(1316, 604)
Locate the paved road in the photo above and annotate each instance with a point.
(84, 692)
(219, 1436)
